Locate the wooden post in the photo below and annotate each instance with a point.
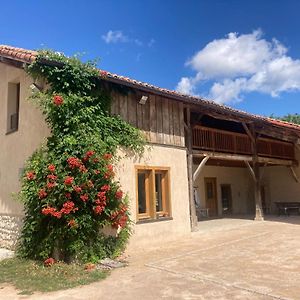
(189, 136)
(259, 216)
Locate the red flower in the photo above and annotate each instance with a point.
(69, 180)
(51, 168)
(107, 156)
(101, 196)
(48, 210)
(105, 188)
(72, 223)
(83, 169)
(74, 162)
(110, 168)
(68, 207)
(119, 194)
(42, 194)
(52, 177)
(97, 172)
(68, 195)
(58, 100)
(84, 197)
(89, 153)
(98, 209)
(57, 214)
(96, 160)
(30, 175)
(77, 189)
(51, 185)
(49, 262)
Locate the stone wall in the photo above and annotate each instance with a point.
(10, 226)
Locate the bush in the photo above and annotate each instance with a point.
(68, 188)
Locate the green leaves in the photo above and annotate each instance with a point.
(76, 110)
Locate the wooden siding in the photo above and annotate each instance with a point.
(161, 119)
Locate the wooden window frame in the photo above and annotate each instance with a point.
(13, 124)
(151, 213)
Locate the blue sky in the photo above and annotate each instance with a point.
(242, 53)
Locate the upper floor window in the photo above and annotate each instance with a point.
(153, 193)
(13, 103)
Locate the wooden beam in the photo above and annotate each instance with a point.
(294, 174)
(248, 132)
(200, 167)
(263, 170)
(238, 157)
(193, 215)
(250, 169)
(259, 214)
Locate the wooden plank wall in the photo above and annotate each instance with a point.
(160, 118)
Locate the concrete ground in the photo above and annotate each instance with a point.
(224, 259)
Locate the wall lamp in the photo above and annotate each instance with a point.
(143, 100)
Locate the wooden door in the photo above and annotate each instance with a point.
(211, 198)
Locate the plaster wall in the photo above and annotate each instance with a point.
(155, 233)
(282, 185)
(241, 187)
(15, 148)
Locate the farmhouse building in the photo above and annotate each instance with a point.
(202, 159)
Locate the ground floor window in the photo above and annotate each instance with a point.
(153, 193)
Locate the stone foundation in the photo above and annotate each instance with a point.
(10, 226)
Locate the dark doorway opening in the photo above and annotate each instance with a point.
(226, 197)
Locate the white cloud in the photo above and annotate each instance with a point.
(238, 64)
(114, 36)
(185, 86)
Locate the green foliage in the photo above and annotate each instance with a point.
(68, 187)
(291, 118)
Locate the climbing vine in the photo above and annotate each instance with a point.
(69, 190)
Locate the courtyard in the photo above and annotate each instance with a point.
(230, 258)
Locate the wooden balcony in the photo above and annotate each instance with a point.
(216, 140)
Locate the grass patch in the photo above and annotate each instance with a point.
(29, 276)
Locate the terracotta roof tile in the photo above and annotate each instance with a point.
(28, 56)
(23, 55)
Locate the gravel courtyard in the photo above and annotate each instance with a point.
(224, 259)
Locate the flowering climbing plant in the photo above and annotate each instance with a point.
(69, 188)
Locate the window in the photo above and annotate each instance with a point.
(153, 194)
(13, 102)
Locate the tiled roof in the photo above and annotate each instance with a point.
(23, 55)
(28, 56)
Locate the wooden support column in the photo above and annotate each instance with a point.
(259, 216)
(189, 135)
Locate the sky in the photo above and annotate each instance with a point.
(245, 54)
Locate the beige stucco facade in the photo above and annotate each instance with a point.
(157, 232)
(241, 187)
(16, 147)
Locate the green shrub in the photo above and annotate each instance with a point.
(68, 188)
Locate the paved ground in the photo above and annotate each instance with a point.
(224, 259)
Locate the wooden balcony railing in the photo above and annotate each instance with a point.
(236, 143)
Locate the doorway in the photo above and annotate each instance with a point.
(211, 198)
(226, 197)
